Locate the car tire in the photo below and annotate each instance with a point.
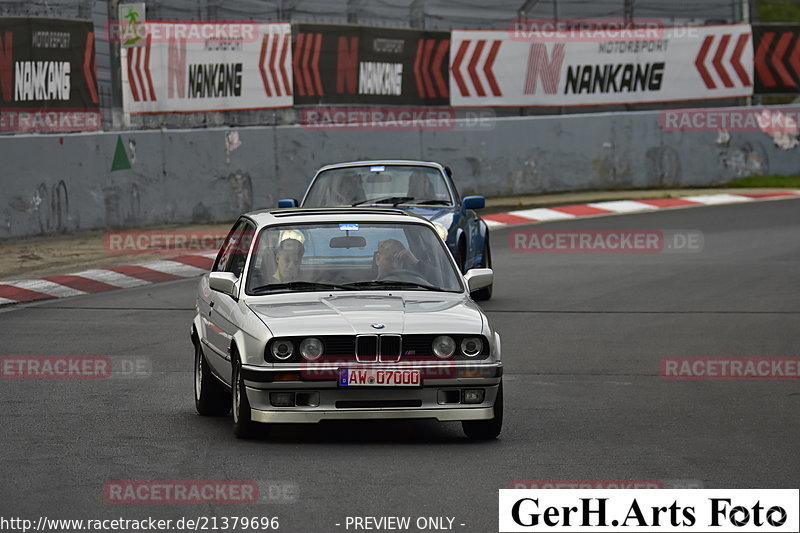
(461, 256)
(486, 429)
(210, 397)
(486, 292)
(243, 426)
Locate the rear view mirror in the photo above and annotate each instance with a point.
(348, 241)
(473, 202)
(224, 282)
(479, 278)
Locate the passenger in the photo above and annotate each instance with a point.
(347, 190)
(392, 256)
(287, 260)
(420, 187)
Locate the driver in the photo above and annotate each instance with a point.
(391, 256)
(287, 260)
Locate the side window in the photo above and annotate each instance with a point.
(233, 254)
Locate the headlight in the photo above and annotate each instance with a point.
(471, 346)
(444, 346)
(282, 349)
(311, 348)
(441, 230)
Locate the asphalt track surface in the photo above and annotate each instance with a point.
(583, 336)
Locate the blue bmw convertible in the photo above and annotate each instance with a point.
(421, 187)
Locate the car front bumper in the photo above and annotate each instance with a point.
(438, 398)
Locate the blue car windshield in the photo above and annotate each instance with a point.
(350, 256)
(378, 185)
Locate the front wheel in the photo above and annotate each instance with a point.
(486, 429)
(210, 397)
(243, 426)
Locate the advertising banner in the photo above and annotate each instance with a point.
(362, 65)
(47, 75)
(523, 67)
(777, 58)
(194, 67)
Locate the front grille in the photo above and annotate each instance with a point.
(390, 348)
(366, 348)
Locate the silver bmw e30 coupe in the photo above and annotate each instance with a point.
(326, 314)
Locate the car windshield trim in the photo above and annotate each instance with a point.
(389, 283)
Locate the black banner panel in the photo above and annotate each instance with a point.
(777, 58)
(362, 65)
(47, 75)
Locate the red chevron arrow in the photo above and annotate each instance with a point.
(286, 84)
(417, 78)
(296, 75)
(306, 57)
(723, 74)
(315, 64)
(761, 60)
(261, 57)
(131, 79)
(441, 52)
(794, 60)
(88, 67)
(699, 63)
(272, 71)
(426, 60)
(473, 74)
(487, 69)
(456, 68)
(736, 59)
(777, 59)
(147, 47)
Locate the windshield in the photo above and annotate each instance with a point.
(378, 184)
(350, 256)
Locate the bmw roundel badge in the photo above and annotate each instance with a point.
(378, 326)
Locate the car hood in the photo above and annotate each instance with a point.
(442, 215)
(331, 314)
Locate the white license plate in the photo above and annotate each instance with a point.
(374, 377)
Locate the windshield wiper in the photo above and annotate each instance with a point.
(299, 286)
(434, 202)
(395, 200)
(384, 283)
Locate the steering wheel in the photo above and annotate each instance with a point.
(410, 276)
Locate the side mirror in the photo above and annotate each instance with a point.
(224, 282)
(287, 202)
(473, 202)
(479, 278)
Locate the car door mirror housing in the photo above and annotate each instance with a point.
(224, 282)
(287, 202)
(473, 202)
(479, 278)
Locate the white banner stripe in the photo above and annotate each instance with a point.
(713, 199)
(623, 206)
(45, 287)
(112, 278)
(542, 213)
(175, 268)
(493, 223)
(4, 301)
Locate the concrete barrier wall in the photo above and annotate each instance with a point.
(53, 183)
